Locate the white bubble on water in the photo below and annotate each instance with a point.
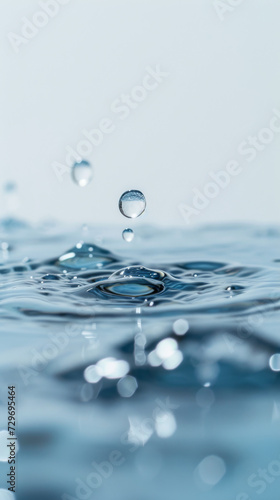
(82, 173)
(132, 204)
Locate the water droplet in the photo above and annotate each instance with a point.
(132, 204)
(128, 235)
(82, 173)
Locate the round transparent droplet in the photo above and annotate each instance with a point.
(128, 235)
(132, 204)
(82, 173)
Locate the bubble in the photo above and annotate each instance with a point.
(166, 348)
(165, 424)
(205, 397)
(10, 187)
(211, 470)
(6, 495)
(127, 386)
(132, 204)
(173, 361)
(154, 359)
(82, 173)
(180, 326)
(128, 235)
(274, 362)
(92, 375)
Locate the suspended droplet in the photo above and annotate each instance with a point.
(128, 235)
(132, 204)
(82, 173)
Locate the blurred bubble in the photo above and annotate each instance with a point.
(173, 361)
(112, 368)
(127, 386)
(154, 359)
(148, 463)
(5, 246)
(165, 424)
(166, 348)
(92, 374)
(6, 495)
(207, 373)
(205, 397)
(139, 431)
(180, 326)
(274, 362)
(211, 470)
(10, 187)
(86, 393)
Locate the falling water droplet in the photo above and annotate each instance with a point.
(82, 173)
(128, 235)
(132, 204)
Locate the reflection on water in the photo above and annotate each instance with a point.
(145, 371)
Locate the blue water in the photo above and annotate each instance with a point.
(201, 416)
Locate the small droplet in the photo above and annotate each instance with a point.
(132, 204)
(128, 235)
(82, 173)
